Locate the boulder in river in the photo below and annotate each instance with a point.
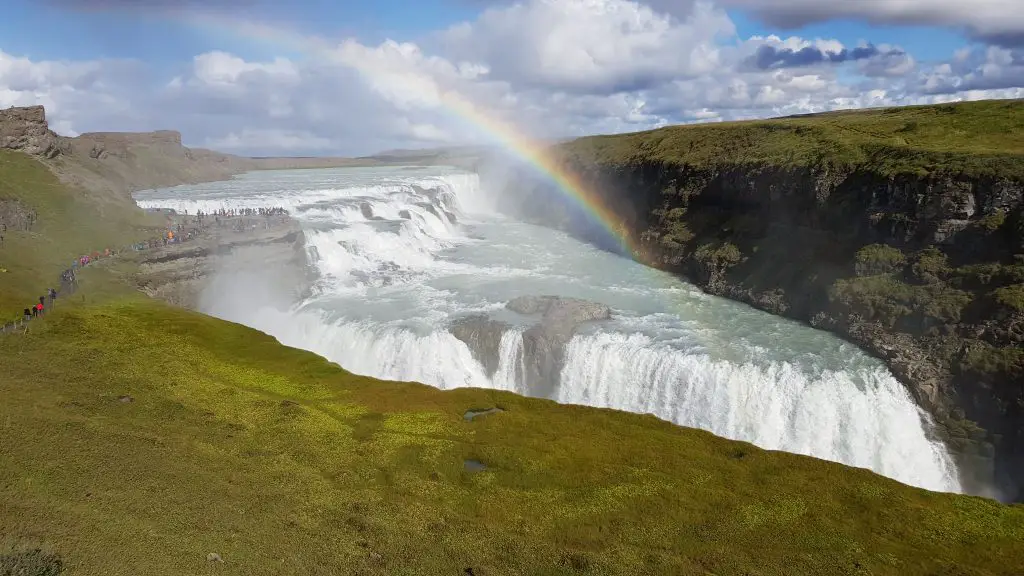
(483, 336)
(544, 343)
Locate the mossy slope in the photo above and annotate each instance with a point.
(69, 223)
(973, 138)
(283, 463)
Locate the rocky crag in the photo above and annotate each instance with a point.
(901, 230)
(555, 321)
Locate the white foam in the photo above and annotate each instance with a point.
(872, 423)
(511, 362)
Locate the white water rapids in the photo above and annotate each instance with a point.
(402, 252)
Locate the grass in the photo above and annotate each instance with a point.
(70, 223)
(975, 139)
(283, 463)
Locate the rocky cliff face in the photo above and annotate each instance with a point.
(26, 129)
(925, 271)
(270, 251)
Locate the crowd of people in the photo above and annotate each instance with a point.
(229, 212)
(182, 230)
(68, 284)
(238, 218)
(69, 281)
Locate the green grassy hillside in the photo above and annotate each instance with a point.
(973, 138)
(285, 464)
(69, 223)
(138, 438)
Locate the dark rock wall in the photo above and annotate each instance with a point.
(911, 267)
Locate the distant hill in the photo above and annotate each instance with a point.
(130, 161)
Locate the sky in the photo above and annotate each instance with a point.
(338, 77)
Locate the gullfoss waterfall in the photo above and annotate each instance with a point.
(419, 278)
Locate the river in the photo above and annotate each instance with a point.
(402, 253)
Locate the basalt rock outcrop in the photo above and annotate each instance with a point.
(916, 254)
(483, 336)
(544, 342)
(273, 257)
(25, 129)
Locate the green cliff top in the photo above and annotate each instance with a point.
(139, 438)
(973, 138)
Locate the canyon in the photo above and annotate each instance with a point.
(901, 230)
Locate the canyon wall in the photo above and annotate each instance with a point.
(271, 251)
(917, 256)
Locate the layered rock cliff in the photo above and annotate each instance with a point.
(26, 129)
(900, 230)
(269, 250)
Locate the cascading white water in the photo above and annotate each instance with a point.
(401, 253)
(511, 361)
(775, 405)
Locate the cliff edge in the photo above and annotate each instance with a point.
(901, 229)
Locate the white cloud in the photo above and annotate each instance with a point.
(590, 45)
(552, 69)
(991, 69)
(222, 69)
(78, 96)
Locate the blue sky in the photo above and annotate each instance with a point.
(153, 37)
(550, 67)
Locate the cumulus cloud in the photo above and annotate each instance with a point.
(602, 46)
(991, 69)
(550, 68)
(997, 21)
(79, 95)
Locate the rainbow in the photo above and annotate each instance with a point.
(526, 148)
